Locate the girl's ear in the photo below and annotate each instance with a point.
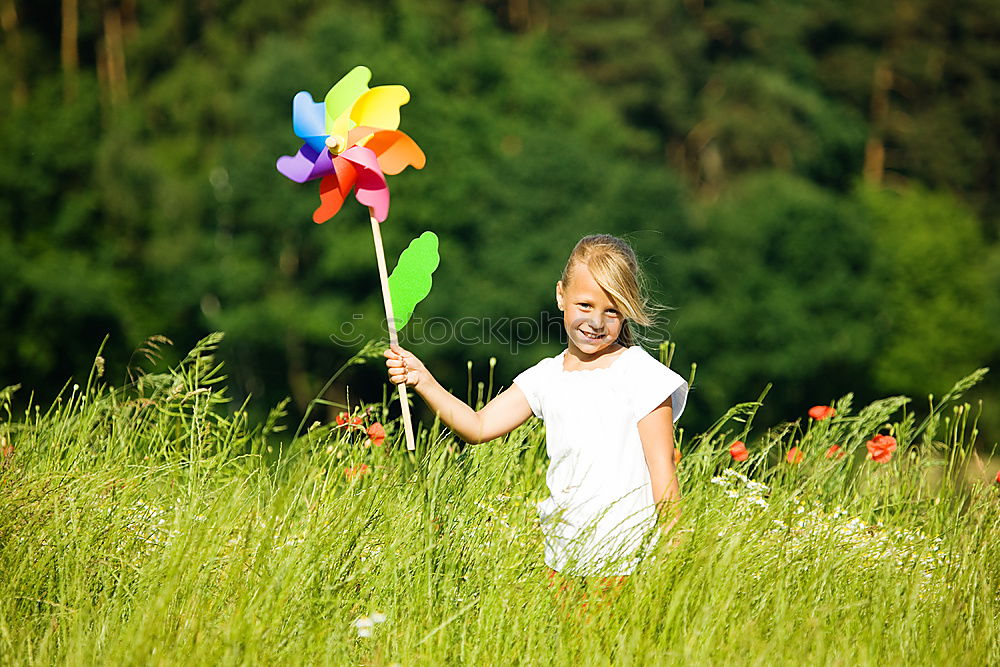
(559, 294)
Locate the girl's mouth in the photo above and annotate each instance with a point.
(591, 336)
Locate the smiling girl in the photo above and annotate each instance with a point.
(608, 408)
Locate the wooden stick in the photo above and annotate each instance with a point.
(383, 276)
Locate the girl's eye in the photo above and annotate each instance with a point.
(612, 312)
(583, 305)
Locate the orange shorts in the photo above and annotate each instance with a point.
(572, 591)
(566, 583)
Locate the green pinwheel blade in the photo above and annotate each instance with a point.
(344, 93)
(410, 281)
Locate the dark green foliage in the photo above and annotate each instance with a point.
(941, 296)
(724, 139)
(788, 263)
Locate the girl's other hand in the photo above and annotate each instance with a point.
(404, 367)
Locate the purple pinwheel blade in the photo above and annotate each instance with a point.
(306, 165)
(309, 120)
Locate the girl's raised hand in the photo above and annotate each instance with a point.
(504, 413)
(404, 366)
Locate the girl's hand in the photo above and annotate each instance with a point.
(404, 367)
(500, 416)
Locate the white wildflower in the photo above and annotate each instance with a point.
(364, 626)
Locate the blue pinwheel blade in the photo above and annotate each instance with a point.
(309, 120)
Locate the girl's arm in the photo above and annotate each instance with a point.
(503, 414)
(656, 430)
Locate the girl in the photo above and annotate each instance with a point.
(608, 408)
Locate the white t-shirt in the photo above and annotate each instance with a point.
(601, 504)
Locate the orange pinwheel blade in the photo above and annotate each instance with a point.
(334, 189)
(395, 151)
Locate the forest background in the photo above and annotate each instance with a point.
(812, 187)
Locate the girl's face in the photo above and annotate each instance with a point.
(591, 318)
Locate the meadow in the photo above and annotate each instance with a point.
(155, 524)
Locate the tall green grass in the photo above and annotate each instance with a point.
(147, 525)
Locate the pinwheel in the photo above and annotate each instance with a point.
(352, 141)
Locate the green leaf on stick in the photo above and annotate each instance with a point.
(410, 281)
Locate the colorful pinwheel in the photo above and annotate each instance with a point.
(352, 142)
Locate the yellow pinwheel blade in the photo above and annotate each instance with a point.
(379, 107)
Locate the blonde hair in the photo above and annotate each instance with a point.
(615, 268)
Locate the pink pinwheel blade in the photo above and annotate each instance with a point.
(371, 189)
(306, 165)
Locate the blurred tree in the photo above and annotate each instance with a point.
(722, 88)
(925, 73)
(60, 275)
(940, 291)
(828, 89)
(777, 292)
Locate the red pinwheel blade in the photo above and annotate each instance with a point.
(334, 189)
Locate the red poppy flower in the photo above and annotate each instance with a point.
(880, 448)
(794, 455)
(821, 412)
(343, 419)
(998, 476)
(376, 433)
(738, 450)
(351, 472)
(834, 452)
